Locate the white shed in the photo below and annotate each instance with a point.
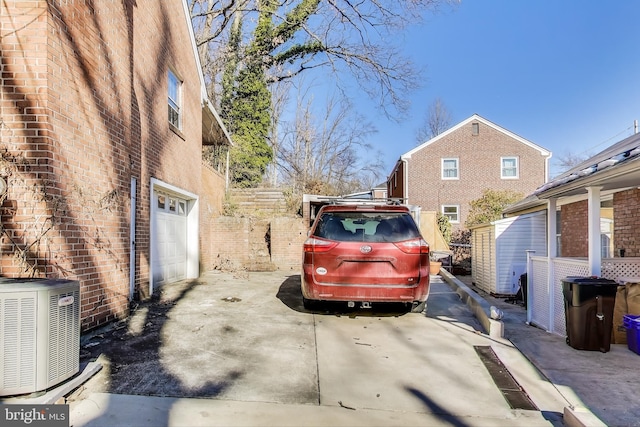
(498, 251)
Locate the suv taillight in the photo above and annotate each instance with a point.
(313, 244)
(417, 246)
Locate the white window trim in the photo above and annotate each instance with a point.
(442, 161)
(177, 101)
(442, 208)
(502, 159)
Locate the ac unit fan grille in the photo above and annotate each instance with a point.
(19, 341)
(64, 327)
(39, 333)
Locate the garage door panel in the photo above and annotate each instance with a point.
(171, 238)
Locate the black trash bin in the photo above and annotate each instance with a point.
(588, 303)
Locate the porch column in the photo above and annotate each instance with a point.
(595, 252)
(552, 229)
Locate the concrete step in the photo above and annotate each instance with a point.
(258, 200)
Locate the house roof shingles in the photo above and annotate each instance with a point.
(616, 167)
(624, 151)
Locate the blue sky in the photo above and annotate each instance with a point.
(563, 74)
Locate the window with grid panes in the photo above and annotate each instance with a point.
(450, 168)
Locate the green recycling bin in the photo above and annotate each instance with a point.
(588, 303)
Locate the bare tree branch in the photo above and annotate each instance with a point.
(326, 148)
(348, 37)
(436, 121)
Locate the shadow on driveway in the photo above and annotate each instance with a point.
(290, 294)
(134, 352)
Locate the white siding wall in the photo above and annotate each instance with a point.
(483, 250)
(499, 251)
(514, 236)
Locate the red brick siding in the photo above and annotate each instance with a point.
(574, 226)
(25, 135)
(626, 222)
(287, 238)
(211, 206)
(479, 169)
(395, 184)
(239, 243)
(230, 242)
(85, 108)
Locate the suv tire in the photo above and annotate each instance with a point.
(309, 304)
(419, 307)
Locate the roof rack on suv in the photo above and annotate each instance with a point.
(355, 201)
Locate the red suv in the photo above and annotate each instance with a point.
(363, 253)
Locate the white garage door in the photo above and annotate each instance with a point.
(171, 238)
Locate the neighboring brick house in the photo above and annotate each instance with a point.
(593, 228)
(447, 172)
(379, 191)
(103, 117)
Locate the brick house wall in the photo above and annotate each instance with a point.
(84, 109)
(479, 151)
(574, 226)
(395, 183)
(626, 223)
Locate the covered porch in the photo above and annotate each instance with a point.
(593, 229)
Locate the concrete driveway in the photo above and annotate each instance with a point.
(245, 340)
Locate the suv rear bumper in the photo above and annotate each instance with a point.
(361, 292)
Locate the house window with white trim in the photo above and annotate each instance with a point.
(452, 212)
(509, 168)
(175, 101)
(450, 168)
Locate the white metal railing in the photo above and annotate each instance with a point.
(545, 301)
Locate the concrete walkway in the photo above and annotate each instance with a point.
(601, 388)
(571, 387)
(242, 350)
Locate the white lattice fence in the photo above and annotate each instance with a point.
(547, 304)
(538, 293)
(563, 268)
(546, 299)
(616, 268)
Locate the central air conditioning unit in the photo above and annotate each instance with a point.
(39, 334)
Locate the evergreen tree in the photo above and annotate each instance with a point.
(246, 104)
(279, 41)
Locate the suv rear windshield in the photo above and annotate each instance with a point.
(366, 227)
